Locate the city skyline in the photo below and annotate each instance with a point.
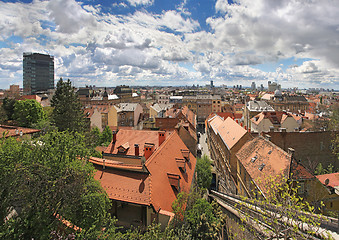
(150, 42)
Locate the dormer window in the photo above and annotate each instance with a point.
(174, 180)
(181, 163)
(123, 148)
(186, 154)
(261, 167)
(253, 159)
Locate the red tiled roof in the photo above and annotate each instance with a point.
(190, 116)
(299, 172)
(14, 131)
(134, 137)
(259, 153)
(164, 162)
(333, 179)
(231, 132)
(127, 186)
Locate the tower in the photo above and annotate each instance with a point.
(38, 73)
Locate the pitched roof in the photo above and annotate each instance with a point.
(277, 117)
(259, 106)
(171, 163)
(214, 122)
(164, 162)
(262, 159)
(133, 137)
(126, 107)
(14, 131)
(127, 186)
(333, 179)
(190, 116)
(231, 132)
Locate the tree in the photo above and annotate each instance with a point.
(28, 112)
(8, 106)
(204, 173)
(106, 136)
(3, 115)
(47, 179)
(282, 211)
(67, 113)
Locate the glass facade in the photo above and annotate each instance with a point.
(38, 73)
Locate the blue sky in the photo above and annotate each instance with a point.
(177, 42)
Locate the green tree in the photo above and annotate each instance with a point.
(282, 211)
(67, 113)
(204, 172)
(106, 136)
(28, 112)
(46, 178)
(3, 115)
(8, 106)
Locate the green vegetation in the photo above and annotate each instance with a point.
(45, 177)
(282, 210)
(204, 172)
(28, 112)
(67, 113)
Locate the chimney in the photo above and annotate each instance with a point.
(237, 120)
(114, 136)
(148, 150)
(241, 124)
(267, 137)
(291, 152)
(162, 137)
(249, 130)
(136, 147)
(245, 127)
(271, 129)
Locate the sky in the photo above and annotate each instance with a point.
(175, 42)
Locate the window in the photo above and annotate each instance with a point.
(301, 188)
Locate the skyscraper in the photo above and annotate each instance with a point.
(38, 73)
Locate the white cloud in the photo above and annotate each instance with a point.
(135, 3)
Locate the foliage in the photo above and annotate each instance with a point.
(282, 210)
(45, 177)
(28, 112)
(196, 217)
(334, 126)
(8, 106)
(320, 170)
(106, 136)
(3, 115)
(204, 172)
(67, 113)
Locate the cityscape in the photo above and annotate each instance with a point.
(169, 121)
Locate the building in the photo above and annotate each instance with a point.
(125, 114)
(253, 108)
(331, 182)
(259, 162)
(38, 73)
(225, 138)
(142, 173)
(253, 87)
(268, 121)
(17, 132)
(273, 86)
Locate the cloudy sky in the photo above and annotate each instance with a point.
(175, 42)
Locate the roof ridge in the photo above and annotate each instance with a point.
(156, 152)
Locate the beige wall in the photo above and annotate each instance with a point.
(96, 119)
(290, 124)
(112, 116)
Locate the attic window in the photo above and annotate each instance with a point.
(123, 148)
(186, 154)
(174, 180)
(253, 159)
(261, 167)
(270, 151)
(181, 163)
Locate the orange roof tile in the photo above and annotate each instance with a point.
(214, 122)
(333, 179)
(14, 131)
(231, 132)
(299, 172)
(263, 159)
(190, 116)
(134, 137)
(127, 186)
(164, 162)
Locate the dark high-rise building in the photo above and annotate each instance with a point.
(38, 73)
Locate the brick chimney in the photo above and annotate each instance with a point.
(162, 137)
(136, 147)
(114, 136)
(291, 152)
(148, 150)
